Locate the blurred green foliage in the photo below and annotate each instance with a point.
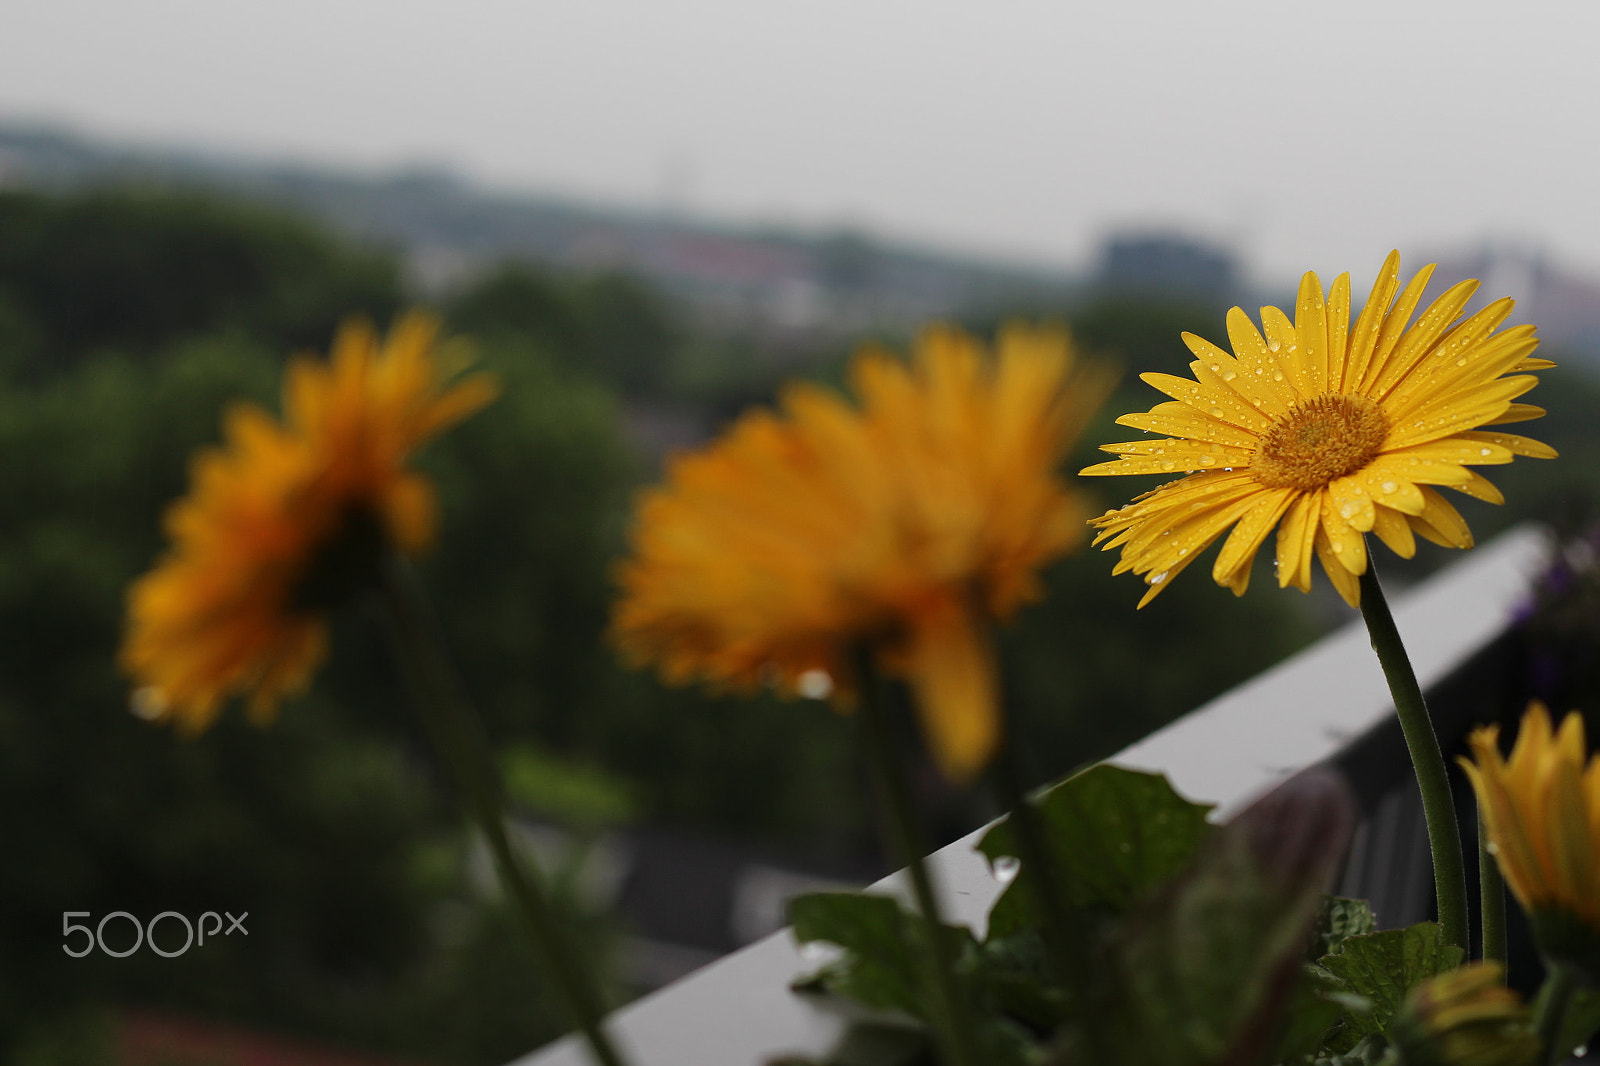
(128, 321)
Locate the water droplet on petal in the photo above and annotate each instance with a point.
(1156, 579)
(1273, 346)
(814, 685)
(1462, 361)
(1347, 510)
(1492, 848)
(1484, 451)
(1390, 486)
(1207, 460)
(1182, 552)
(1338, 548)
(148, 703)
(1217, 411)
(1277, 375)
(1229, 376)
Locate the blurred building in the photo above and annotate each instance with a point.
(1552, 296)
(1167, 264)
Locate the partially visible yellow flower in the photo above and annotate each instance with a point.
(1541, 808)
(1325, 432)
(285, 519)
(1467, 1017)
(904, 525)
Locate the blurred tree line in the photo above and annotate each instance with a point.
(128, 320)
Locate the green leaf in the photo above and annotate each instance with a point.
(1314, 1006)
(1372, 1051)
(1385, 966)
(1116, 836)
(1582, 1020)
(880, 965)
(1340, 917)
(1012, 978)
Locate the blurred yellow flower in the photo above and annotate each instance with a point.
(1541, 808)
(1326, 432)
(283, 521)
(1466, 1017)
(903, 525)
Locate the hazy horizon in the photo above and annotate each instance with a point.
(1306, 140)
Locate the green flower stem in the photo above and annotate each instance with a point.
(1559, 984)
(1060, 933)
(951, 1019)
(1444, 836)
(1492, 896)
(457, 734)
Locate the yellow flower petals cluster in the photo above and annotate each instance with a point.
(1325, 431)
(903, 525)
(1467, 1017)
(283, 519)
(1541, 808)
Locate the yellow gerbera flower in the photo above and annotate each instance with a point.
(903, 525)
(284, 520)
(1541, 808)
(1325, 432)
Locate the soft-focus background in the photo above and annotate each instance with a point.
(647, 215)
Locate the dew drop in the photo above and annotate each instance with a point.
(1492, 848)
(1156, 579)
(1484, 451)
(1274, 346)
(1182, 552)
(1390, 486)
(1229, 376)
(1338, 548)
(148, 702)
(1347, 510)
(1462, 361)
(1216, 367)
(1217, 411)
(1206, 460)
(1167, 464)
(1277, 375)
(1005, 869)
(814, 685)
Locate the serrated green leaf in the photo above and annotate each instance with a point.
(1116, 836)
(1339, 918)
(1385, 966)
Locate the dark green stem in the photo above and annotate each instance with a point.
(457, 734)
(1492, 900)
(949, 1016)
(1444, 836)
(1039, 867)
(1559, 984)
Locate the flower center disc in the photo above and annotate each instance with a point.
(1319, 440)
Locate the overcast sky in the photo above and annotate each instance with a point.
(1312, 136)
